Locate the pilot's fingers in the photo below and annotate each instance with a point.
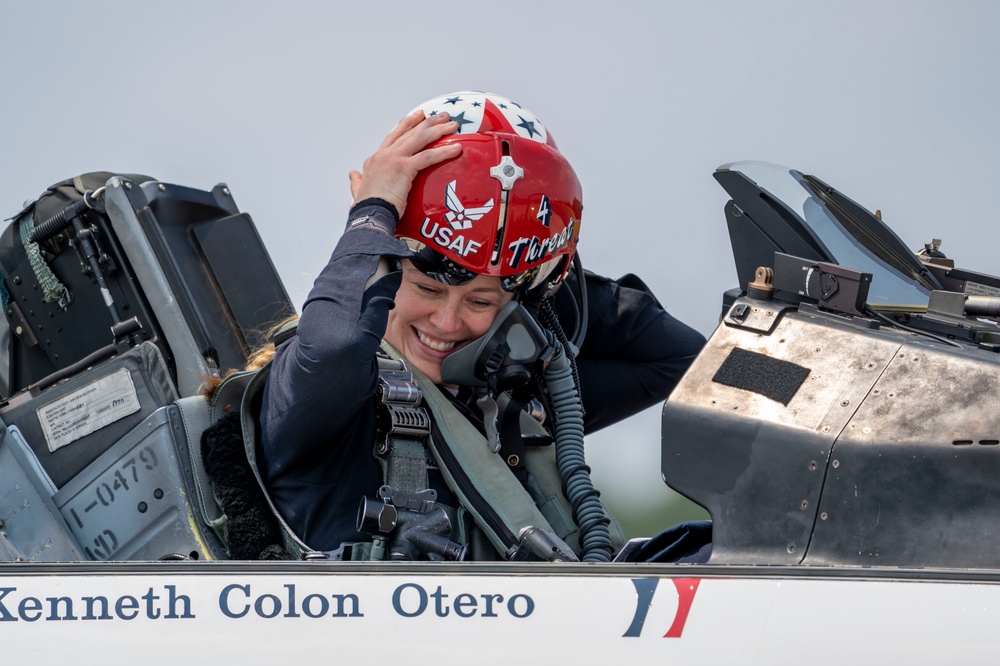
(431, 156)
(390, 179)
(404, 157)
(389, 172)
(426, 132)
(404, 126)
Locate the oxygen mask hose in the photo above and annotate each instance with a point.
(595, 537)
(549, 319)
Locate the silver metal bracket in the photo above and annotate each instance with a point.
(400, 411)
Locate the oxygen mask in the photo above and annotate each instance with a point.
(506, 357)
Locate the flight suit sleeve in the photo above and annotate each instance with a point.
(326, 374)
(634, 353)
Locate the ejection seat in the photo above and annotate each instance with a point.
(100, 368)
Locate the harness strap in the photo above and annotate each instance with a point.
(404, 465)
(237, 393)
(499, 504)
(511, 439)
(403, 427)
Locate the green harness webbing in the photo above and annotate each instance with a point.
(53, 291)
(487, 490)
(404, 425)
(482, 481)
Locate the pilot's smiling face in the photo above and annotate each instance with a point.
(431, 319)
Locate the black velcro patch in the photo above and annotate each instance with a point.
(770, 377)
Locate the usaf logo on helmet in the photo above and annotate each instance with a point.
(459, 219)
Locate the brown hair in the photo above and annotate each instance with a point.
(257, 359)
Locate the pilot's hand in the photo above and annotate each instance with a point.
(389, 173)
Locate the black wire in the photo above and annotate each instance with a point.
(583, 311)
(548, 319)
(896, 324)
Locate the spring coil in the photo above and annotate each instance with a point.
(595, 537)
(57, 223)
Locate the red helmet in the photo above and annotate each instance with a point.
(509, 206)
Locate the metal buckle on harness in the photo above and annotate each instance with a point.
(409, 421)
(400, 412)
(398, 386)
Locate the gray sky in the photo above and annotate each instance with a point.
(893, 103)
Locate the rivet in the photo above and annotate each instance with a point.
(128, 185)
(845, 403)
(823, 516)
(804, 504)
(513, 460)
(791, 548)
(225, 190)
(812, 465)
(826, 428)
(836, 464)
(161, 187)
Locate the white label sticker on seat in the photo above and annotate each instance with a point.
(88, 409)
